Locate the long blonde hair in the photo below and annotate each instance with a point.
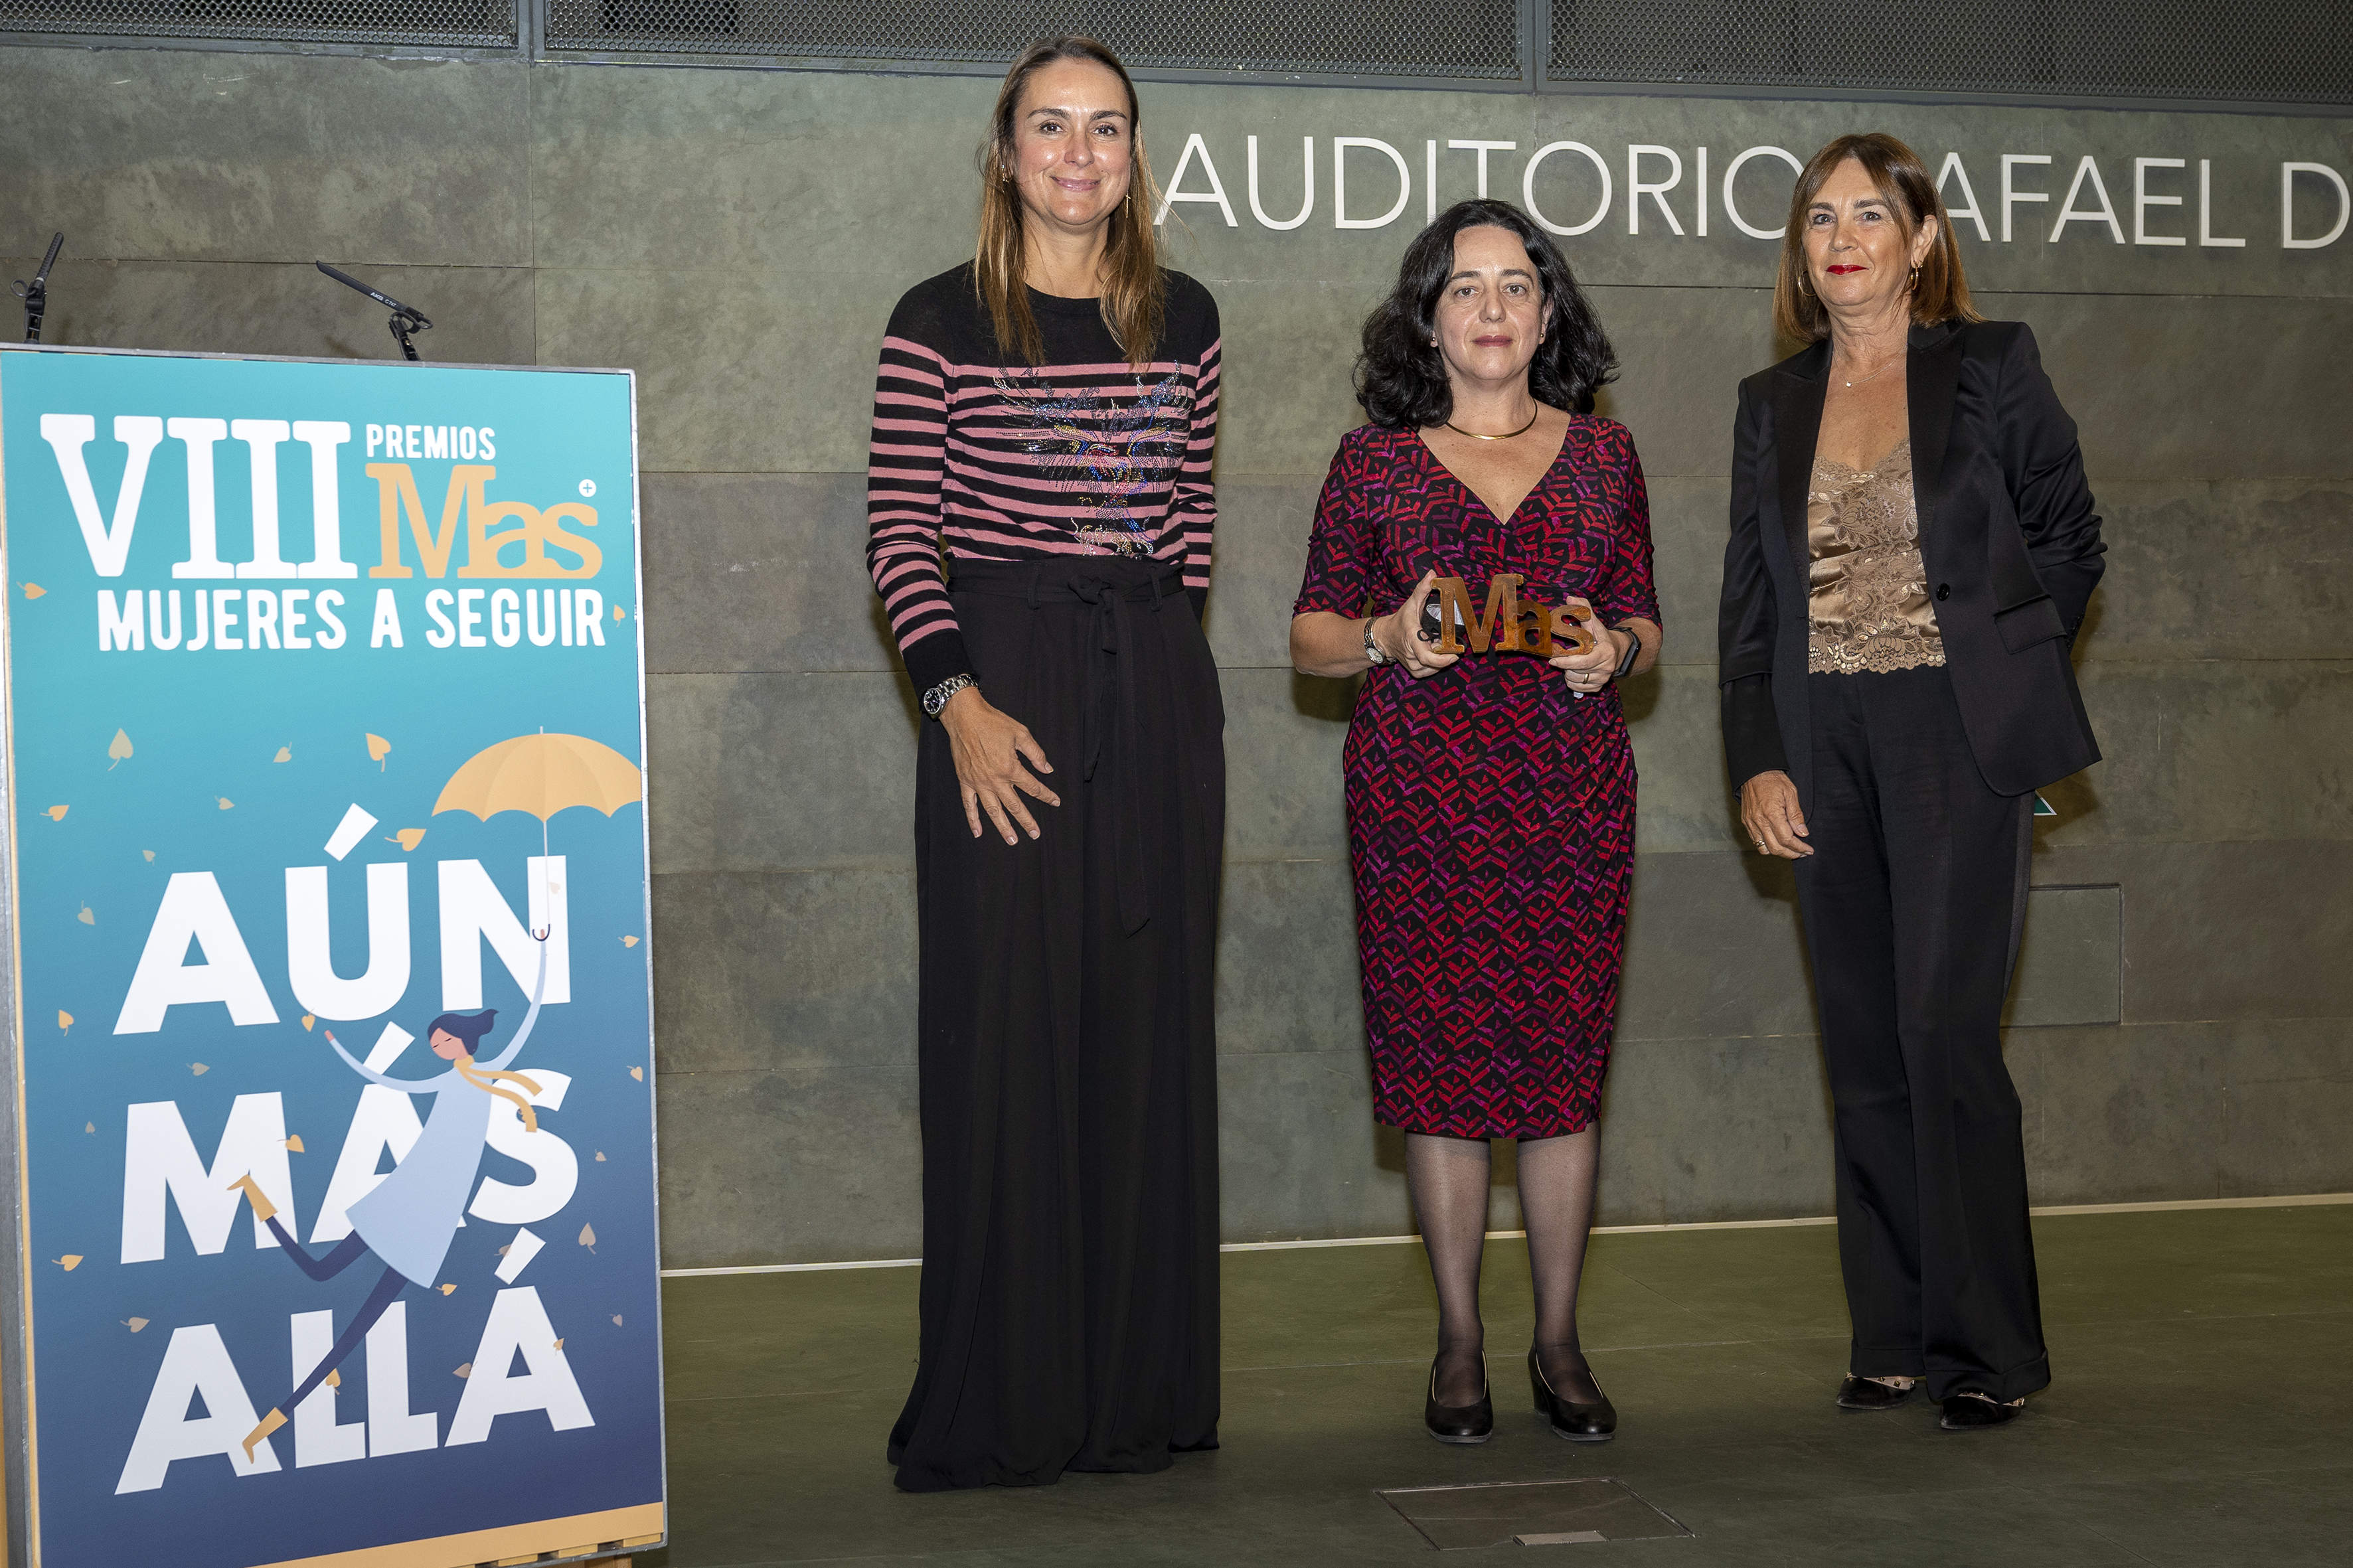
(1135, 294)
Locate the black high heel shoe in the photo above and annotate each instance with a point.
(1460, 1422)
(1870, 1394)
(1577, 1422)
(1970, 1412)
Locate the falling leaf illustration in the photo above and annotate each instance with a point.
(507, 1248)
(91, 1128)
(616, 1319)
(619, 614)
(226, 804)
(58, 813)
(65, 1019)
(119, 749)
(587, 1236)
(559, 1344)
(87, 918)
(309, 1020)
(334, 1380)
(467, 1369)
(628, 942)
(600, 1156)
(378, 748)
(33, 590)
(407, 837)
(69, 1262)
(198, 1069)
(638, 1073)
(149, 853)
(285, 754)
(449, 1290)
(294, 1145)
(135, 1324)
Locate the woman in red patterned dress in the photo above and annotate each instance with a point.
(1490, 795)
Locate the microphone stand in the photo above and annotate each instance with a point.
(405, 318)
(36, 294)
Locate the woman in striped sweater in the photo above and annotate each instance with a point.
(1044, 418)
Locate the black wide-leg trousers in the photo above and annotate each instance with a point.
(1913, 902)
(1067, 1044)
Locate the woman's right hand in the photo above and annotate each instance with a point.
(1400, 634)
(1769, 809)
(990, 748)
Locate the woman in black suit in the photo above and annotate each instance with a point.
(1913, 546)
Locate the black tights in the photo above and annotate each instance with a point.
(1447, 1177)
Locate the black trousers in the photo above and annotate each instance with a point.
(1913, 902)
(1068, 1049)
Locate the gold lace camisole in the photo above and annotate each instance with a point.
(1867, 591)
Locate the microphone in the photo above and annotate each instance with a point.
(36, 294)
(405, 319)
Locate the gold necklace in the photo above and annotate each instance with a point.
(1521, 431)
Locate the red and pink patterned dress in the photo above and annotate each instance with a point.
(1491, 810)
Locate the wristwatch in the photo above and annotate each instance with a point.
(937, 699)
(1373, 653)
(1626, 664)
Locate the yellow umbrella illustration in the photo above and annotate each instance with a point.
(542, 774)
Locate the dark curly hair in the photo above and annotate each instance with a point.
(1401, 376)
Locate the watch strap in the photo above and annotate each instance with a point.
(1626, 664)
(935, 700)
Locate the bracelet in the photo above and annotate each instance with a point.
(1373, 653)
(935, 700)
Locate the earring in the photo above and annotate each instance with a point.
(1914, 283)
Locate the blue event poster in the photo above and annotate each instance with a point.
(333, 989)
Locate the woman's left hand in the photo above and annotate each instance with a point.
(1590, 671)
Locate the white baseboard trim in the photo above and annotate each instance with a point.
(793, 1268)
(2288, 1201)
(2297, 1200)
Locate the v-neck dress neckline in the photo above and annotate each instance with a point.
(1430, 453)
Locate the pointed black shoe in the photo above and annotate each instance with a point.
(1458, 1422)
(1973, 1412)
(1577, 1422)
(1862, 1393)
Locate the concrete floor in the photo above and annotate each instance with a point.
(2203, 1414)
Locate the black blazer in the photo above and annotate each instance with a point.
(2007, 532)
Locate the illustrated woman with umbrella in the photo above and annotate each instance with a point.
(410, 1218)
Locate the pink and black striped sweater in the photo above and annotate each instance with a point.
(991, 459)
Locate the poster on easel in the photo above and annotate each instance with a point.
(329, 1088)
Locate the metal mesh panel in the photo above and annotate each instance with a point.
(2279, 51)
(481, 24)
(1476, 40)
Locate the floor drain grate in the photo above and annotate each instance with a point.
(1529, 1513)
